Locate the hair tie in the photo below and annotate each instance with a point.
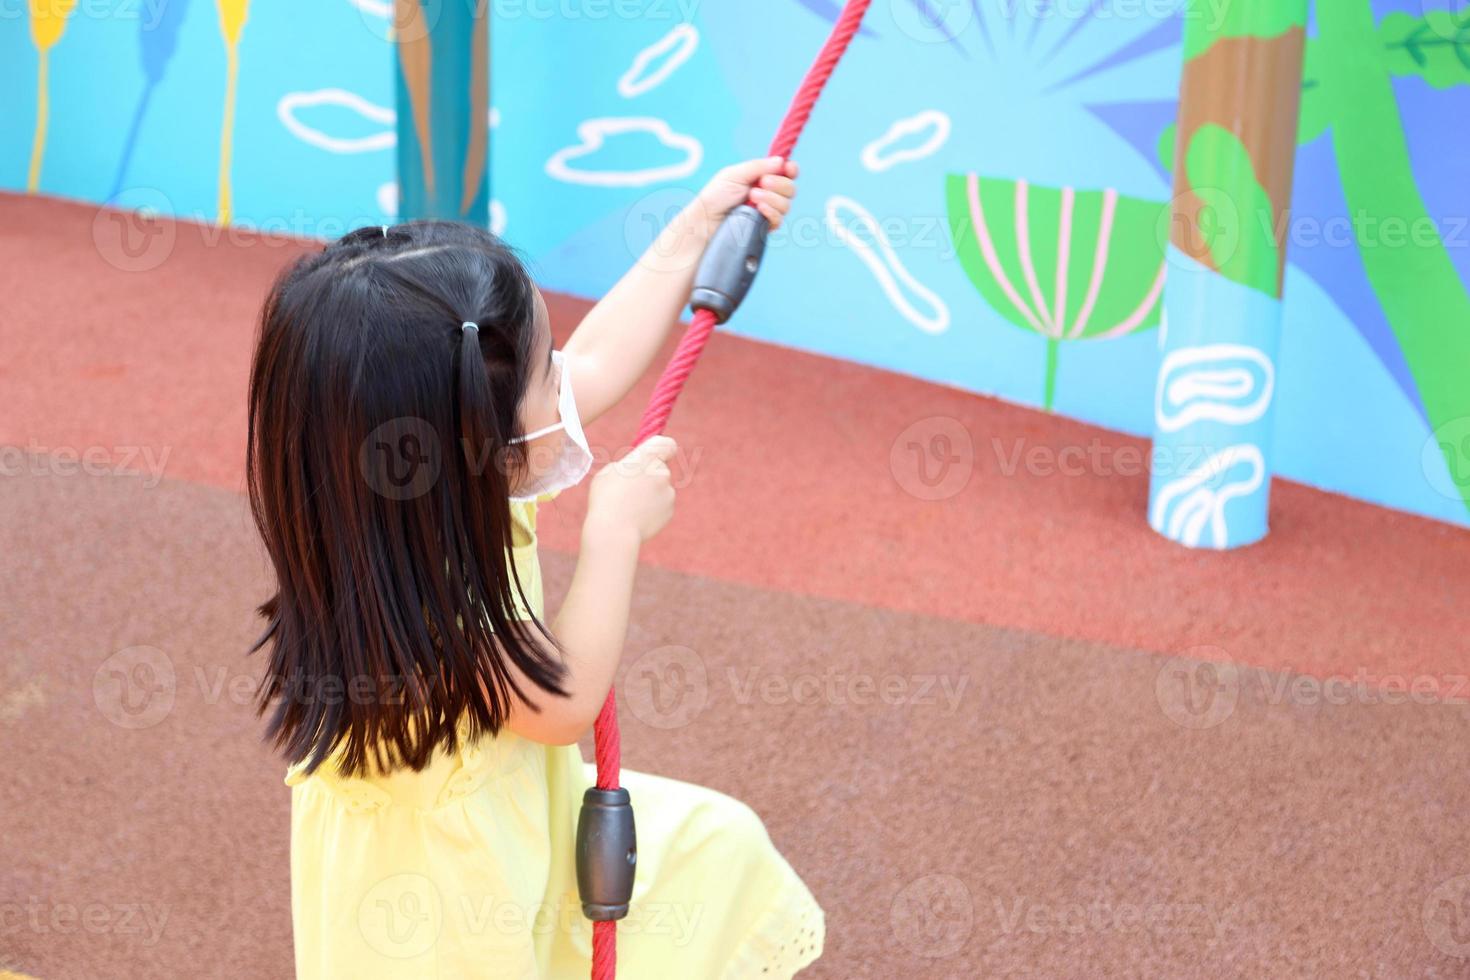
(385, 230)
(467, 325)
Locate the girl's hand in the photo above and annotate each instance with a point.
(636, 493)
(769, 183)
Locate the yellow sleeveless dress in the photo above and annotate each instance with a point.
(466, 868)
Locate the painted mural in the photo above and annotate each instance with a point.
(991, 181)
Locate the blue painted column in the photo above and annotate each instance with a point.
(1235, 146)
(443, 87)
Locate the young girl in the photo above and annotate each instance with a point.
(407, 414)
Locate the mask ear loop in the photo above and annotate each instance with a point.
(560, 360)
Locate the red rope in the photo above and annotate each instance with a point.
(656, 416)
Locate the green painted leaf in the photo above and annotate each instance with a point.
(1317, 105)
(1236, 219)
(1165, 147)
(1110, 283)
(1435, 47)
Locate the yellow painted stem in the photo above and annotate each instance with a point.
(43, 110)
(227, 131)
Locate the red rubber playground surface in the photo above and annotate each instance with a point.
(966, 697)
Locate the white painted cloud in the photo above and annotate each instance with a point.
(933, 120)
(593, 134)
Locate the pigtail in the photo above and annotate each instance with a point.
(493, 629)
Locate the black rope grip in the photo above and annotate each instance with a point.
(730, 262)
(607, 853)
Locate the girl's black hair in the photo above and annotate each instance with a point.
(378, 465)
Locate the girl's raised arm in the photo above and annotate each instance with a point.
(619, 337)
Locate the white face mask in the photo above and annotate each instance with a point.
(575, 458)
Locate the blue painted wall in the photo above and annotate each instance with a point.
(1075, 95)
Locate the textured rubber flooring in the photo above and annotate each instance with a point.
(976, 725)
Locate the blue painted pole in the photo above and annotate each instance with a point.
(443, 92)
(1235, 147)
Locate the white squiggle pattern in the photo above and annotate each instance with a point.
(681, 41)
(287, 107)
(1185, 508)
(885, 266)
(1213, 382)
(593, 133)
(873, 157)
